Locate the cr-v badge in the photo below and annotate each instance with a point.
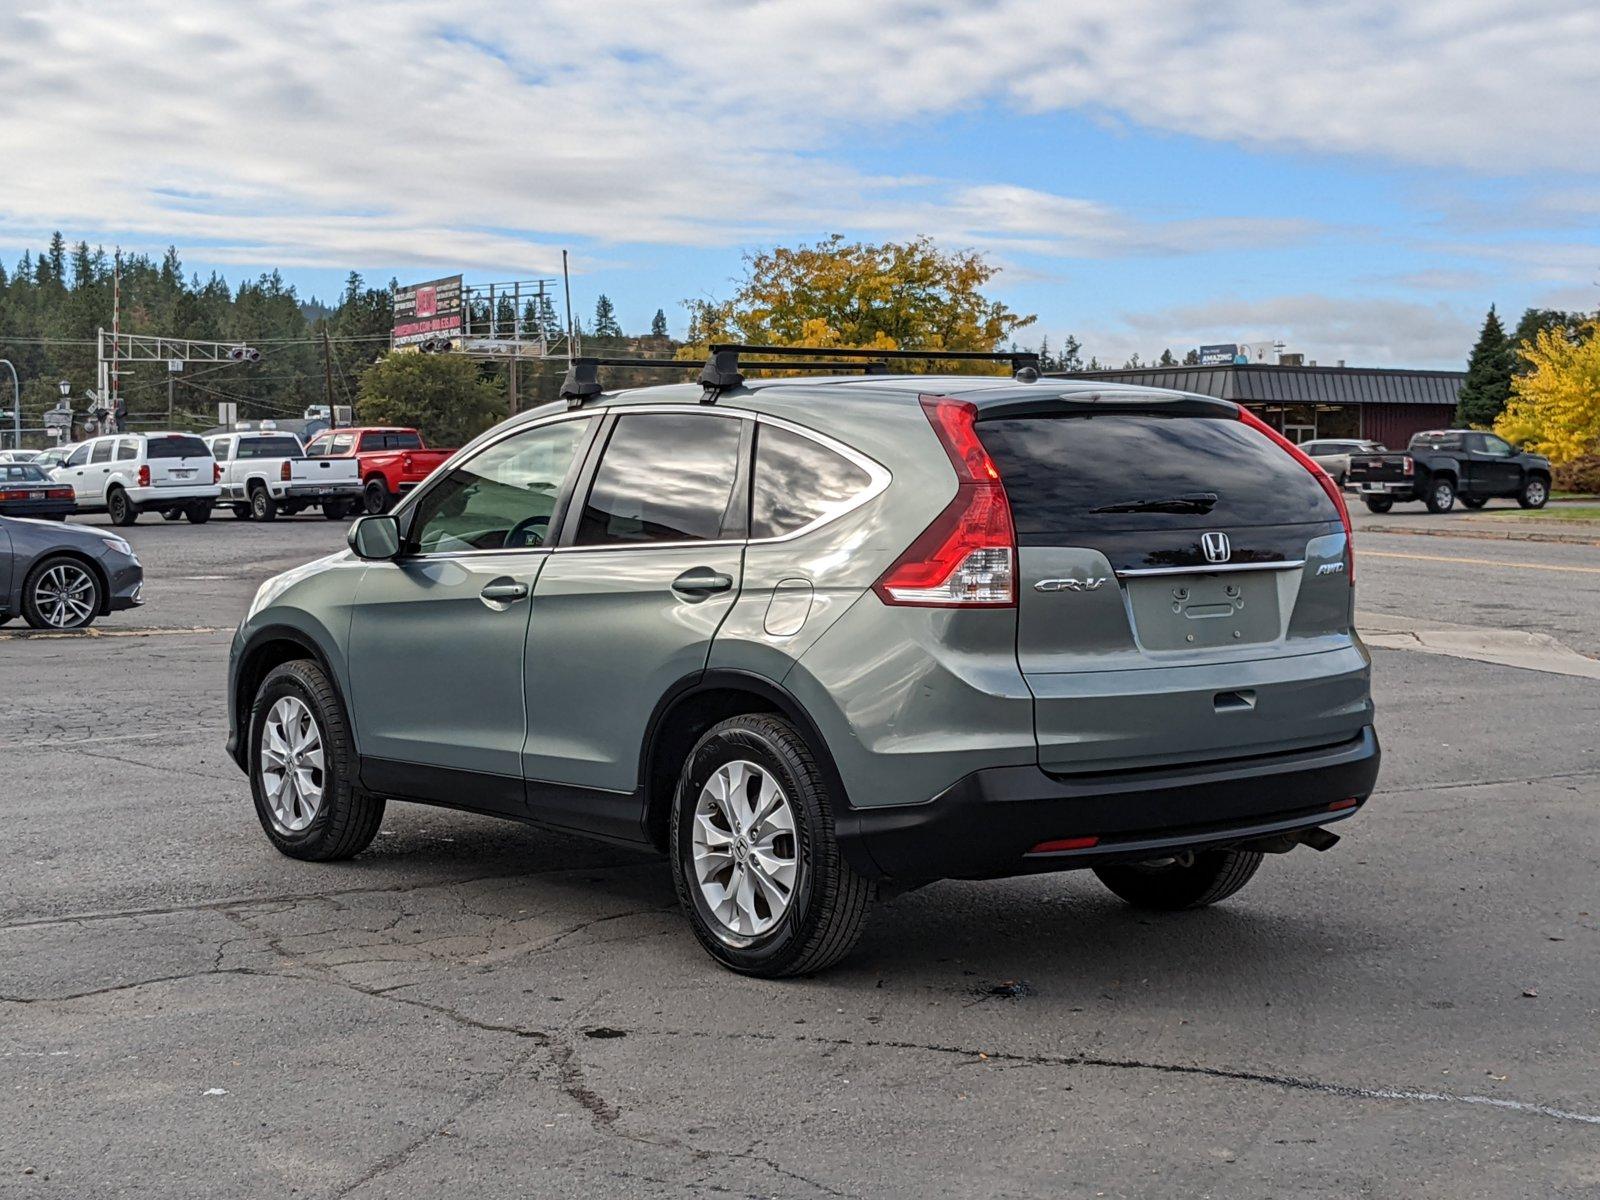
(1069, 585)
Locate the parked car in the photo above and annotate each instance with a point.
(64, 576)
(26, 491)
(817, 638)
(1443, 465)
(19, 456)
(264, 473)
(125, 474)
(1333, 454)
(390, 461)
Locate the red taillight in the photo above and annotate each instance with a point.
(59, 493)
(1077, 843)
(11, 495)
(1348, 802)
(967, 557)
(1410, 467)
(216, 472)
(144, 476)
(1321, 476)
(283, 471)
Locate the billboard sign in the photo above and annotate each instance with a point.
(428, 312)
(1219, 355)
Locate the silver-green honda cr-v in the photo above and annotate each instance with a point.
(824, 639)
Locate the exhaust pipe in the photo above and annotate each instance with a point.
(1317, 838)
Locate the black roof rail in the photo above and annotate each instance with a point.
(722, 369)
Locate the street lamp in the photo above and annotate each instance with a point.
(66, 388)
(16, 406)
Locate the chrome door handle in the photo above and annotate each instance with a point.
(702, 581)
(503, 591)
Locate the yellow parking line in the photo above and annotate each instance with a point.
(1479, 562)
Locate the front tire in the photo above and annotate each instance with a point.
(1535, 492)
(1211, 875)
(1440, 496)
(1379, 504)
(61, 593)
(755, 862)
(303, 768)
(121, 510)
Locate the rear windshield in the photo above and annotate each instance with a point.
(1434, 440)
(269, 447)
(1101, 474)
(178, 445)
(21, 471)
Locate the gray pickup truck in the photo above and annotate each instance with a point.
(1441, 466)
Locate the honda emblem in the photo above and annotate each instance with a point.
(1216, 548)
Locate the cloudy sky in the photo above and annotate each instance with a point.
(1360, 178)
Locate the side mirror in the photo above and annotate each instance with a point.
(375, 537)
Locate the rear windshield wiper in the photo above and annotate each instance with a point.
(1195, 502)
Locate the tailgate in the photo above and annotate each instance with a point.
(323, 470)
(1379, 468)
(1182, 591)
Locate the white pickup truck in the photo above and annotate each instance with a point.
(266, 472)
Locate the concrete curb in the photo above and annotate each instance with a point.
(1455, 530)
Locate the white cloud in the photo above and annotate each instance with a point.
(482, 136)
(1363, 331)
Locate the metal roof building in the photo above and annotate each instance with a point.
(1309, 402)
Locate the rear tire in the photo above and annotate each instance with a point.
(241, 512)
(344, 818)
(1535, 492)
(376, 497)
(1474, 501)
(1213, 875)
(198, 514)
(1379, 504)
(335, 510)
(825, 910)
(262, 506)
(121, 510)
(1441, 496)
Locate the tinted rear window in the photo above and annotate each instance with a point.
(22, 471)
(175, 446)
(799, 481)
(269, 447)
(1058, 471)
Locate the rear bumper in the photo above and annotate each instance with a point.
(1395, 491)
(985, 825)
(38, 508)
(159, 497)
(345, 490)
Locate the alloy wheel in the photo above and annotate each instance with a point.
(65, 596)
(745, 853)
(291, 762)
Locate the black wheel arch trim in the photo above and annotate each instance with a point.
(239, 704)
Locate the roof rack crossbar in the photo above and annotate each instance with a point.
(583, 374)
(722, 369)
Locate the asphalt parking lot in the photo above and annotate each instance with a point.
(476, 1008)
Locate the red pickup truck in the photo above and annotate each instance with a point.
(390, 461)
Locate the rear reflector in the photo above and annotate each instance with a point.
(1080, 843)
(967, 557)
(1338, 805)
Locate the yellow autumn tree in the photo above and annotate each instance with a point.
(1555, 405)
(839, 294)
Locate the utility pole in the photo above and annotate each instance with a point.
(16, 405)
(511, 385)
(327, 378)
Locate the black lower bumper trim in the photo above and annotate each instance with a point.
(984, 826)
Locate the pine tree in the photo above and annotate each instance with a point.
(605, 318)
(658, 324)
(1488, 383)
(1071, 356)
(1191, 358)
(1166, 359)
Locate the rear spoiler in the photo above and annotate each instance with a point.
(1090, 404)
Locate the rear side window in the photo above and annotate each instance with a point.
(269, 447)
(102, 452)
(127, 450)
(1110, 473)
(798, 481)
(176, 445)
(665, 477)
(402, 441)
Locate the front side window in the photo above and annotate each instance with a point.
(799, 482)
(79, 456)
(1496, 446)
(102, 452)
(501, 498)
(665, 477)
